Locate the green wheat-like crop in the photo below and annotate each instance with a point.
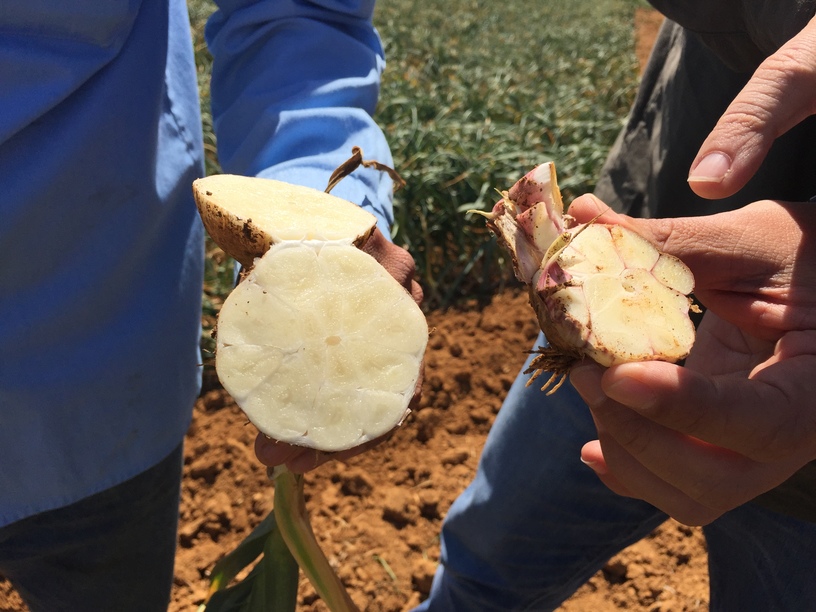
(475, 94)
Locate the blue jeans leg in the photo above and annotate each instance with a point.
(535, 523)
(760, 560)
(111, 551)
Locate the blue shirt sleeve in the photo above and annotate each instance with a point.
(294, 87)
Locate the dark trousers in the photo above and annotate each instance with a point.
(110, 551)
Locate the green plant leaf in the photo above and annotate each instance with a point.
(247, 551)
(276, 584)
(232, 598)
(270, 586)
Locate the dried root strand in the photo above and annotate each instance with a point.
(553, 383)
(555, 361)
(355, 161)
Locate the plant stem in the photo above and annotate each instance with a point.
(293, 522)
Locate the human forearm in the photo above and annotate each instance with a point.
(294, 87)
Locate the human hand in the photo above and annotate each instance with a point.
(778, 96)
(740, 417)
(300, 459)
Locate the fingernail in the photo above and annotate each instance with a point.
(711, 169)
(270, 452)
(595, 467)
(263, 444)
(595, 202)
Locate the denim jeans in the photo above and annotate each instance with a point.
(536, 523)
(110, 551)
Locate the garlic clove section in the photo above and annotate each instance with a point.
(320, 346)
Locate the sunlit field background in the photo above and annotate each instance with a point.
(475, 94)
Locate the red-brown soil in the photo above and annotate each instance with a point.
(378, 516)
(647, 23)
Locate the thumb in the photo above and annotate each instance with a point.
(777, 97)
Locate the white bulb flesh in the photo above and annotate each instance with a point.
(599, 291)
(246, 215)
(320, 346)
(622, 300)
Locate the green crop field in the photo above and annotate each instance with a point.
(476, 93)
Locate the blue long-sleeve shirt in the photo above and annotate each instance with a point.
(100, 246)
